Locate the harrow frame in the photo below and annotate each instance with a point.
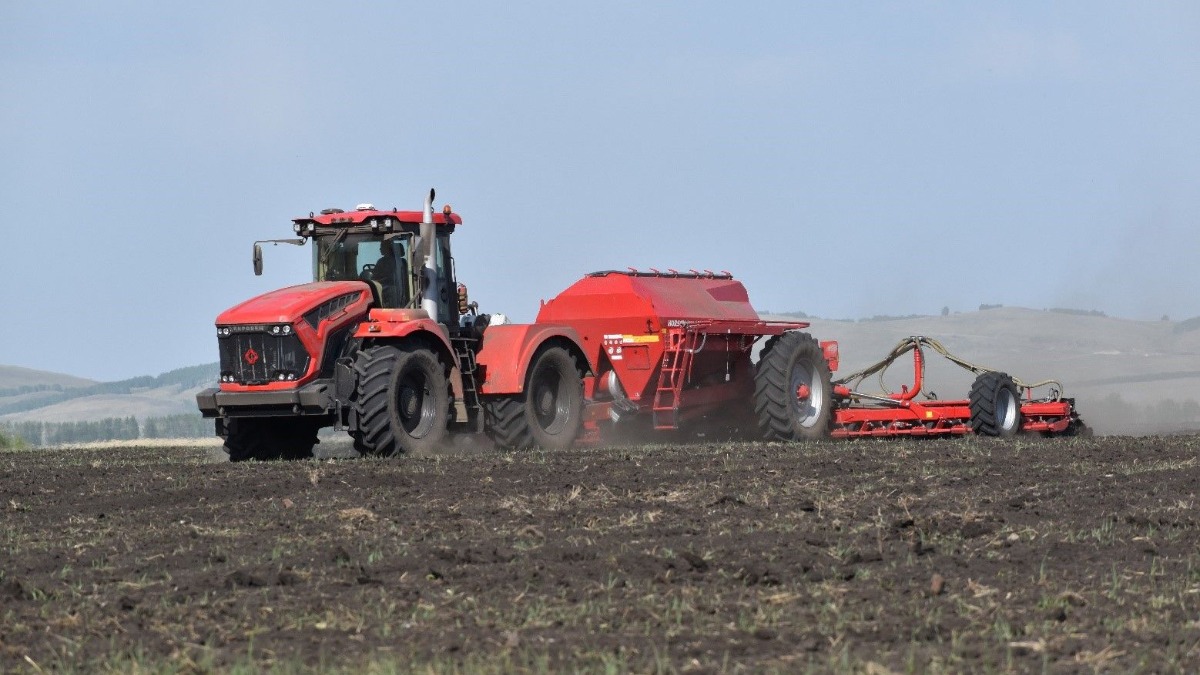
(858, 414)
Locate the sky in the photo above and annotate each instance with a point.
(841, 159)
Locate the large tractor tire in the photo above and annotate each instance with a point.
(269, 438)
(995, 405)
(505, 423)
(793, 395)
(401, 399)
(549, 414)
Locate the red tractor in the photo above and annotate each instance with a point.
(385, 344)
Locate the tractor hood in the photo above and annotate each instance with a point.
(288, 305)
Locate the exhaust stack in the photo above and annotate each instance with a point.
(429, 280)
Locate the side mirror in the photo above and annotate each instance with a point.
(258, 258)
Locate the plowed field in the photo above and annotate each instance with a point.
(1073, 555)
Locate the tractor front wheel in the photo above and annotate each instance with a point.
(268, 438)
(995, 405)
(550, 412)
(402, 401)
(793, 396)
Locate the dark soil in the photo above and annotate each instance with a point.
(1074, 555)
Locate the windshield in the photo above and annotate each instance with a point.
(383, 263)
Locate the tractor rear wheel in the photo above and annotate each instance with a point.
(550, 412)
(504, 420)
(401, 399)
(995, 405)
(793, 396)
(268, 438)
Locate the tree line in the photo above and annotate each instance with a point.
(108, 429)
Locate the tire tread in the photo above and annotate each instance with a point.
(772, 401)
(982, 403)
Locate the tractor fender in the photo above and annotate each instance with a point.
(508, 350)
(393, 325)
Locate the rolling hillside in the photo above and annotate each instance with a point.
(53, 397)
(14, 377)
(1133, 377)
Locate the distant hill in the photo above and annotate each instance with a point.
(52, 397)
(14, 377)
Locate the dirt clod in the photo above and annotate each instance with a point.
(937, 584)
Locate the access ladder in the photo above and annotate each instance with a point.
(465, 347)
(680, 347)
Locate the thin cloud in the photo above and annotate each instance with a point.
(1017, 54)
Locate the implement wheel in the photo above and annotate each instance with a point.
(402, 400)
(550, 412)
(793, 397)
(268, 438)
(995, 405)
(1078, 428)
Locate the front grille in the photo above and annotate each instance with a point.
(259, 357)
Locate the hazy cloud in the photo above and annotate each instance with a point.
(1016, 54)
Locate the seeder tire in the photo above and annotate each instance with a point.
(995, 405)
(401, 399)
(549, 414)
(270, 438)
(789, 361)
(505, 423)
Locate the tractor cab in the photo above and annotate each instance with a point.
(383, 263)
(405, 267)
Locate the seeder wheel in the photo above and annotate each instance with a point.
(995, 405)
(793, 397)
(549, 414)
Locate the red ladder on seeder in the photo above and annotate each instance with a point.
(675, 371)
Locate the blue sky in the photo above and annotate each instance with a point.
(843, 159)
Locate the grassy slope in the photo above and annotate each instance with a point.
(158, 402)
(170, 393)
(15, 376)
